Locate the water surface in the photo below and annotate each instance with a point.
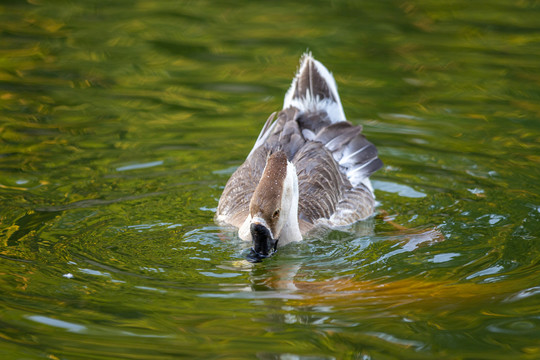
(120, 123)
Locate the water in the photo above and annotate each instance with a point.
(120, 123)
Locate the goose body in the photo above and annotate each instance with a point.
(309, 167)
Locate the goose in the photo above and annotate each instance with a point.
(309, 168)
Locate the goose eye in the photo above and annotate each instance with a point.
(275, 214)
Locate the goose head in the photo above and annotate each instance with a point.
(273, 210)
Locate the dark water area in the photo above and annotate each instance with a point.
(120, 123)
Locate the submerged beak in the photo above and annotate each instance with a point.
(263, 244)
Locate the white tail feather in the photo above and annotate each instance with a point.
(310, 103)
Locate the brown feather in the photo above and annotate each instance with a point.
(267, 196)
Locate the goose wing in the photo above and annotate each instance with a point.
(320, 183)
(327, 193)
(233, 207)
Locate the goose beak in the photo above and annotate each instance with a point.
(263, 243)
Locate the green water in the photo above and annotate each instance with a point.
(120, 123)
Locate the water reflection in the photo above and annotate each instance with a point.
(121, 122)
(76, 328)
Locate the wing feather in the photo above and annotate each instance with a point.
(233, 207)
(326, 195)
(320, 183)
